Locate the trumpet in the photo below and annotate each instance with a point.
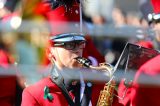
(106, 95)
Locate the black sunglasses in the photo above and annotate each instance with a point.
(73, 45)
(153, 18)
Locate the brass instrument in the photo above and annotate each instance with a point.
(106, 95)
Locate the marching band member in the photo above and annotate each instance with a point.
(65, 47)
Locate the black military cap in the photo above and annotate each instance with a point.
(67, 37)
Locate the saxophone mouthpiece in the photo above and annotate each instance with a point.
(85, 62)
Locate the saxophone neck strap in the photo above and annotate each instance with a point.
(58, 80)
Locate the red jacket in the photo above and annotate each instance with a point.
(34, 94)
(146, 89)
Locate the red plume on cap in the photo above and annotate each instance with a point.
(64, 14)
(156, 6)
(60, 17)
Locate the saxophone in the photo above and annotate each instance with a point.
(106, 95)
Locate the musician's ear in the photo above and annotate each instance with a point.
(50, 54)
